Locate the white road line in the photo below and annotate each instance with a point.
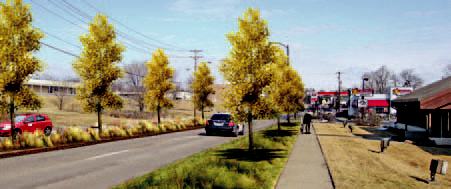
(106, 155)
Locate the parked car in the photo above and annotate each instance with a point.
(223, 123)
(27, 123)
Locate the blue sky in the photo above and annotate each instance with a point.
(351, 36)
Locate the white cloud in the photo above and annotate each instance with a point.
(212, 9)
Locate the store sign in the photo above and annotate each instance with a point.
(399, 91)
(363, 103)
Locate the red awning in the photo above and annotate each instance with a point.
(378, 103)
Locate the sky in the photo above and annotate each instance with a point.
(325, 36)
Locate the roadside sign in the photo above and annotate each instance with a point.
(363, 103)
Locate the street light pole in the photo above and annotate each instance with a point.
(363, 90)
(287, 50)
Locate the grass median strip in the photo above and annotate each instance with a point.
(355, 160)
(229, 165)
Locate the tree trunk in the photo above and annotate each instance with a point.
(202, 109)
(194, 111)
(288, 117)
(251, 135)
(61, 103)
(11, 116)
(278, 123)
(294, 115)
(99, 119)
(141, 106)
(158, 115)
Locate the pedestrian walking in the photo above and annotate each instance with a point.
(306, 123)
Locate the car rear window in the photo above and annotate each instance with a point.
(40, 118)
(220, 117)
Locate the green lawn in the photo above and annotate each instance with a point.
(229, 165)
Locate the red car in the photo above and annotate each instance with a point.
(27, 123)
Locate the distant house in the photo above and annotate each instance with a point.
(49, 87)
(428, 108)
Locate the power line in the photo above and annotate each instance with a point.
(60, 39)
(133, 30)
(56, 14)
(76, 56)
(60, 50)
(76, 10)
(132, 44)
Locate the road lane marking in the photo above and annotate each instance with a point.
(106, 155)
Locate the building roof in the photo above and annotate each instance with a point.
(432, 96)
(39, 82)
(427, 91)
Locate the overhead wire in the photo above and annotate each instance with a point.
(133, 30)
(77, 13)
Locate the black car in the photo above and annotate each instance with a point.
(223, 123)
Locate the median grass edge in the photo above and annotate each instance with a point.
(228, 165)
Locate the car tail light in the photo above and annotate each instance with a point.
(231, 124)
(206, 122)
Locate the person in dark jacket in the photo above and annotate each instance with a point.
(307, 121)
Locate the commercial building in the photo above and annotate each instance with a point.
(428, 108)
(49, 87)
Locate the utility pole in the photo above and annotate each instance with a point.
(195, 57)
(339, 92)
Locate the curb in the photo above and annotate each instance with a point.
(81, 144)
(325, 160)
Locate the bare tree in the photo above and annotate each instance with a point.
(63, 86)
(178, 84)
(447, 70)
(379, 79)
(410, 79)
(395, 80)
(135, 73)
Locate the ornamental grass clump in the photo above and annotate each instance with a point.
(56, 138)
(94, 134)
(76, 134)
(7, 144)
(117, 132)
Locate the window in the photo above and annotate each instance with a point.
(40, 118)
(29, 119)
(220, 117)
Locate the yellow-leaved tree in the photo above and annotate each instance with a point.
(286, 90)
(97, 68)
(19, 40)
(247, 69)
(158, 82)
(202, 87)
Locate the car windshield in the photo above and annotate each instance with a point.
(220, 117)
(19, 118)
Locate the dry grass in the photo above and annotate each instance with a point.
(355, 162)
(72, 114)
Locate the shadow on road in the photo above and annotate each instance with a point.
(255, 156)
(286, 124)
(216, 134)
(281, 133)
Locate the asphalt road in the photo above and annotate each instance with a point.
(105, 165)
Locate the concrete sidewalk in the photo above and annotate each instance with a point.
(306, 166)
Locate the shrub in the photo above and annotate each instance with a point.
(48, 142)
(94, 134)
(56, 138)
(8, 144)
(76, 134)
(117, 132)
